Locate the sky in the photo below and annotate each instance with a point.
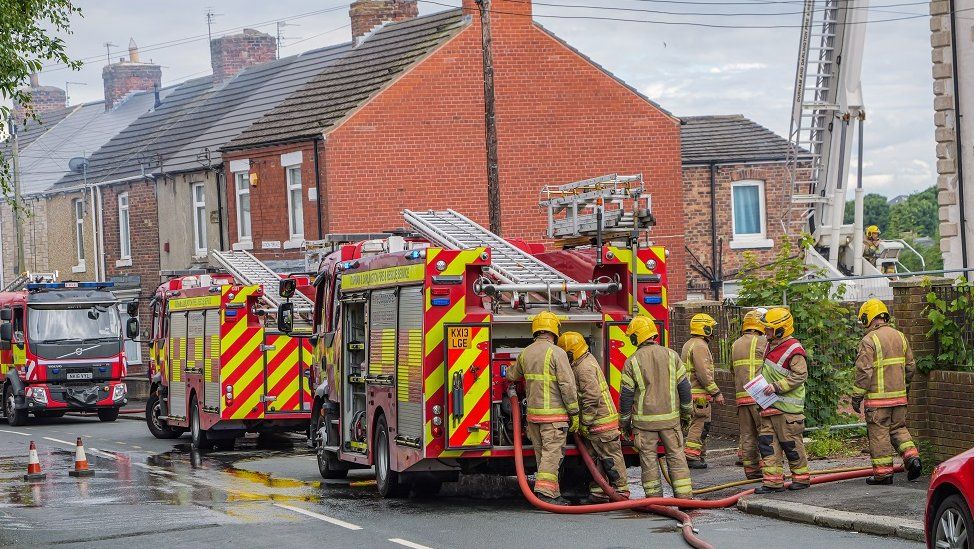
(688, 70)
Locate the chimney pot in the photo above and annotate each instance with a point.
(366, 15)
(133, 51)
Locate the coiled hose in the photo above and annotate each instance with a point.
(645, 503)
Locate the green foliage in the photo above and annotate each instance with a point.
(918, 215)
(932, 254)
(952, 321)
(826, 328)
(930, 458)
(824, 444)
(876, 211)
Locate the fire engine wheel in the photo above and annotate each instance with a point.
(198, 436)
(15, 417)
(387, 480)
(329, 465)
(158, 428)
(108, 415)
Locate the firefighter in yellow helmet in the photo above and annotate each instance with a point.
(747, 361)
(552, 406)
(883, 370)
(781, 425)
(599, 421)
(655, 395)
(872, 241)
(697, 359)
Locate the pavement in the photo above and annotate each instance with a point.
(267, 491)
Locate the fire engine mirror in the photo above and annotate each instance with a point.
(132, 308)
(286, 317)
(6, 332)
(6, 314)
(286, 287)
(132, 328)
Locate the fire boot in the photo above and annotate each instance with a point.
(798, 486)
(554, 501)
(697, 464)
(914, 468)
(769, 490)
(879, 481)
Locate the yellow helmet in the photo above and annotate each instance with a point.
(641, 329)
(871, 309)
(574, 345)
(780, 320)
(751, 322)
(545, 322)
(702, 325)
(873, 230)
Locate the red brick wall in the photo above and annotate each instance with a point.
(697, 210)
(231, 54)
(365, 15)
(121, 78)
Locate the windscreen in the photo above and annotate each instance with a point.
(84, 323)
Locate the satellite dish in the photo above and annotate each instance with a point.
(78, 164)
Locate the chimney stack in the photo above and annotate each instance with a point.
(366, 15)
(231, 54)
(43, 99)
(127, 76)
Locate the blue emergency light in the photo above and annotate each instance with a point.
(652, 300)
(440, 301)
(68, 285)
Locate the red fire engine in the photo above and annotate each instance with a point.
(61, 350)
(413, 335)
(217, 369)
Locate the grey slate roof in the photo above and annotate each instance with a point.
(353, 79)
(30, 129)
(729, 138)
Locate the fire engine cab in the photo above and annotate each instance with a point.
(219, 368)
(413, 334)
(61, 349)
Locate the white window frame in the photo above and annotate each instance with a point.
(293, 235)
(750, 240)
(242, 177)
(199, 233)
(125, 244)
(79, 210)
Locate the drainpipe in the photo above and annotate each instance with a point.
(219, 175)
(318, 190)
(94, 223)
(712, 176)
(101, 232)
(960, 186)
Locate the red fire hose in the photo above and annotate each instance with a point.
(651, 504)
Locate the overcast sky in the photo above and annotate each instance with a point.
(689, 70)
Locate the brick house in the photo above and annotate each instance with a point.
(736, 184)
(399, 122)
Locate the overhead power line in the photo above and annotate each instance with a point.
(717, 14)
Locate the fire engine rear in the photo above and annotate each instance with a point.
(414, 334)
(61, 350)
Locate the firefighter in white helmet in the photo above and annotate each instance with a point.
(552, 405)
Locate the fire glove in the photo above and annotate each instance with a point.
(625, 427)
(574, 423)
(685, 415)
(584, 431)
(856, 403)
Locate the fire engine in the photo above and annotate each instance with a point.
(219, 369)
(61, 349)
(413, 333)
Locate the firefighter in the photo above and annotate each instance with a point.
(872, 241)
(747, 361)
(698, 363)
(599, 421)
(655, 397)
(884, 369)
(552, 407)
(781, 425)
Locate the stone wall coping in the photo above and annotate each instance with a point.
(695, 304)
(919, 281)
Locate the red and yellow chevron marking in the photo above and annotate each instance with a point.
(242, 367)
(618, 349)
(241, 293)
(657, 311)
(468, 356)
(306, 359)
(284, 373)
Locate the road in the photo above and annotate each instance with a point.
(268, 493)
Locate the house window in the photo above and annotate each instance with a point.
(199, 219)
(125, 248)
(296, 220)
(749, 215)
(79, 205)
(243, 185)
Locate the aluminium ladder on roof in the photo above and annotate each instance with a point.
(252, 271)
(510, 264)
(607, 193)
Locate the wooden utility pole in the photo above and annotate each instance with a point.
(18, 230)
(491, 133)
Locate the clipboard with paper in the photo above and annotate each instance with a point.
(756, 387)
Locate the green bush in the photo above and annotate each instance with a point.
(824, 444)
(951, 328)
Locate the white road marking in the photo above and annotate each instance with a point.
(14, 432)
(137, 447)
(330, 520)
(406, 543)
(156, 470)
(95, 451)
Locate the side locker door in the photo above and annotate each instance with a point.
(468, 383)
(211, 360)
(306, 358)
(177, 364)
(282, 373)
(410, 363)
(618, 349)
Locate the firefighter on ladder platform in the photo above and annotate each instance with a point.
(781, 428)
(701, 371)
(655, 396)
(747, 361)
(552, 405)
(884, 369)
(599, 421)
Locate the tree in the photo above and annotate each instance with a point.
(917, 216)
(28, 39)
(875, 211)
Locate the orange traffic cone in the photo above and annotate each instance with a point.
(33, 464)
(81, 462)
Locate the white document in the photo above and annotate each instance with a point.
(755, 388)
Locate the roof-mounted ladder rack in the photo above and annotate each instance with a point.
(250, 270)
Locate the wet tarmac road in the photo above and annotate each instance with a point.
(267, 493)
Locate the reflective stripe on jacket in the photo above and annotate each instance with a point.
(654, 372)
(884, 366)
(550, 386)
(747, 361)
(597, 410)
(785, 367)
(698, 363)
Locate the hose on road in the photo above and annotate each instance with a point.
(644, 503)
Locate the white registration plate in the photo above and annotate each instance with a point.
(79, 375)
